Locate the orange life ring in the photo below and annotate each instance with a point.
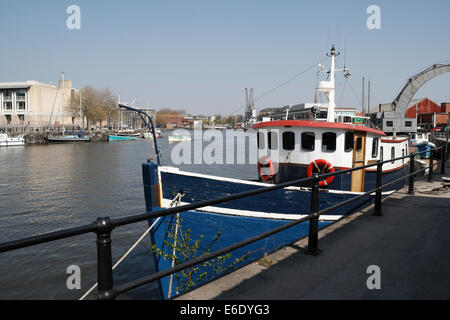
(265, 162)
(322, 166)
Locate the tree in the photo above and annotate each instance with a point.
(97, 105)
(164, 115)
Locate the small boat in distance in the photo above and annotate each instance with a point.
(121, 138)
(179, 138)
(68, 138)
(149, 135)
(6, 141)
(128, 133)
(78, 137)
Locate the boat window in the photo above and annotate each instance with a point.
(308, 141)
(260, 138)
(329, 142)
(359, 143)
(403, 154)
(381, 153)
(393, 154)
(272, 140)
(375, 147)
(288, 140)
(348, 142)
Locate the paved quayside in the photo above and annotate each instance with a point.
(410, 243)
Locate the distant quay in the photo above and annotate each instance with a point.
(41, 136)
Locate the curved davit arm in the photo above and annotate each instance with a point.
(400, 104)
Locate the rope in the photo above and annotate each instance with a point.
(176, 200)
(173, 254)
(282, 84)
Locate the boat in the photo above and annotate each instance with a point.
(179, 138)
(287, 149)
(6, 141)
(68, 138)
(128, 133)
(112, 137)
(149, 135)
(78, 137)
(421, 142)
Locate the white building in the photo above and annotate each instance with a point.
(35, 103)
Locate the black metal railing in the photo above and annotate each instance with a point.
(104, 226)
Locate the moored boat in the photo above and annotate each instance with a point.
(112, 137)
(6, 141)
(286, 150)
(179, 138)
(149, 135)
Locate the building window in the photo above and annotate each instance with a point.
(7, 105)
(329, 142)
(20, 94)
(389, 123)
(288, 140)
(308, 141)
(393, 154)
(272, 138)
(375, 147)
(7, 95)
(408, 124)
(348, 142)
(260, 138)
(8, 118)
(21, 117)
(20, 105)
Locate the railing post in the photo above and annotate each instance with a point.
(313, 236)
(443, 151)
(104, 259)
(411, 176)
(379, 188)
(430, 170)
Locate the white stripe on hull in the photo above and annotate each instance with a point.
(254, 214)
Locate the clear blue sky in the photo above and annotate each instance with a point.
(200, 55)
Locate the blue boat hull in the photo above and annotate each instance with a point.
(236, 220)
(237, 224)
(121, 138)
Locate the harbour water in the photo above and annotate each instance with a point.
(45, 188)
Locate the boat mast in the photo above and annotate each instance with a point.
(63, 104)
(331, 102)
(81, 113)
(328, 87)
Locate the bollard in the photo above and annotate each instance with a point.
(104, 259)
(379, 188)
(411, 175)
(313, 236)
(430, 170)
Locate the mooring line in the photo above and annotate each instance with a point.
(124, 256)
(176, 200)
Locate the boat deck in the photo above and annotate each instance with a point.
(409, 243)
